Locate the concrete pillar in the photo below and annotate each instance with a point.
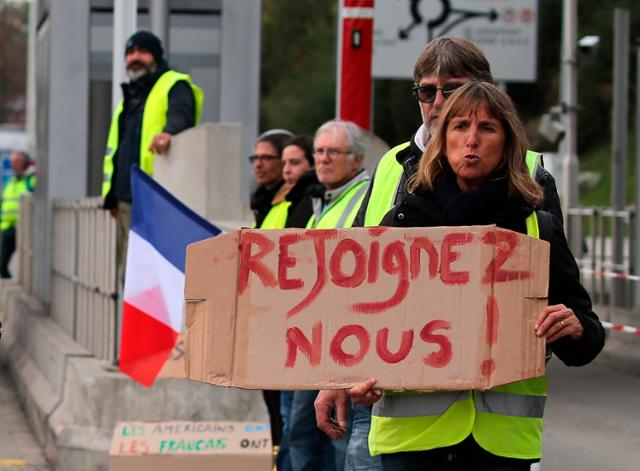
(160, 14)
(240, 74)
(202, 169)
(125, 23)
(63, 61)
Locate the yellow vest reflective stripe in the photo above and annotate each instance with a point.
(154, 119)
(384, 186)
(276, 218)
(505, 420)
(10, 209)
(343, 211)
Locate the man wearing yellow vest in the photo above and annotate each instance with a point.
(445, 65)
(339, 150)
(158, 103)
(22, 182)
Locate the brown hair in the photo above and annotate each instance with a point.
(452, 57)
(499, 106)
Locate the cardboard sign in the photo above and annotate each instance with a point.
(421, 308)
(196, 446)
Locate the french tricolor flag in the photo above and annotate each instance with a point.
(161, 229)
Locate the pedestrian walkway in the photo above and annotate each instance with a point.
(18, 448)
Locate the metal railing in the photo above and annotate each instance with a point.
(83, 274)
(609, 281)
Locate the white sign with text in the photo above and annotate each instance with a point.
(505, 30)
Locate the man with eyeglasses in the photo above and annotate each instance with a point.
(339, 150)
(445, 65)
(266, 163)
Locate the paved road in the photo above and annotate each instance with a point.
(592, 419)
(18, 448)
(592, 422)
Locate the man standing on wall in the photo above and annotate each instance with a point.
(158, 103)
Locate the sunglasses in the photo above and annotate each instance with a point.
(427, 93)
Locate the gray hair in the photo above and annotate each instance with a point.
(452, 57)
(355, 136)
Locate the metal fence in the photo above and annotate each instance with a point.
(606, 254)
(83, 276)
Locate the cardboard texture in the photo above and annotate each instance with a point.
(421, 308)
(196, 446)
(175, 366)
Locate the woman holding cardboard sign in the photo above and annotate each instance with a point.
(474, 172)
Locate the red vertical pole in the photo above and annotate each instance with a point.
(355, 52)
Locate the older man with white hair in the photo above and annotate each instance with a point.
(339, 150)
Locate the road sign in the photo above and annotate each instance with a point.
(505, 30)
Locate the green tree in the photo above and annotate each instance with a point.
(298, 76)
(13, 63)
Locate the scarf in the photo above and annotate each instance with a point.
(490, 204)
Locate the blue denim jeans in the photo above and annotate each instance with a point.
(358, 457)
(309, 448)
(283, 460)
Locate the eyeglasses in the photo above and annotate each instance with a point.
(262, 158)
(427, 93)
(330, 151)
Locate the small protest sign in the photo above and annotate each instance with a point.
(197, 446)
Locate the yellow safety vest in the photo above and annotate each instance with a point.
(154, 119)
(276, 218)
(341, 212)
(10, 209)
(386, 181)
(505, 420)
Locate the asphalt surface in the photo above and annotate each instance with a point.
(592, 422)
(592, 419)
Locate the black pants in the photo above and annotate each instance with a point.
(272, 400)
(7, 247)
(464, 456)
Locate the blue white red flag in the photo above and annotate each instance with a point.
(161, 229)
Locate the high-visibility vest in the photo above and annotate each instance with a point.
(505, 420)
(387, 179)
(276, 218)
(10, 209)
(384, 186)
(341, 212)
(154, 119)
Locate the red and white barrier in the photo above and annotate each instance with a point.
(610, 274)
(620, 328)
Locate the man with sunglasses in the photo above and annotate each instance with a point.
(445, 65)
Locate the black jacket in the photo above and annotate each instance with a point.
(423, 210)
(409, 157)
(301, 207)
(261, 201)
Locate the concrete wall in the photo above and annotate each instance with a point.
(73, 400)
